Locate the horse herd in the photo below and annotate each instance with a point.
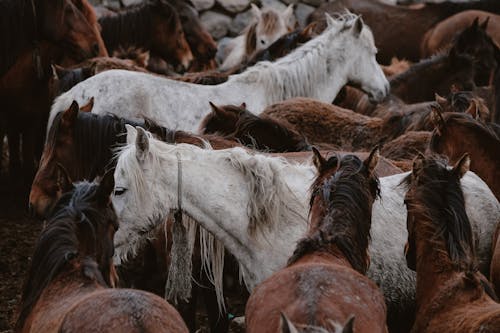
(347, 196)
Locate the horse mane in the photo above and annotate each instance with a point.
(72, 77)
(17, 15)
(94, 137)
(132, 24)
(439, 198)
(58, 245)
(348, 197)
(285, 77)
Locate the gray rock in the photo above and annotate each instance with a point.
(240, 22)
(203, 4)
(234, 6)
(217, 24)
(302, 11)
(275, 4)
(315, 3)
(222, 51)
(127, 3)
(287, 2)
(114, 4)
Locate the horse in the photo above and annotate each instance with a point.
(267, 26)
(452, 295)
(260, 222)
(260, 133)
(67, 286)
(324, 281)
(465, 102)
(153, 25)
(457, 133)
(472, 39)
(406, 146)
(64, 32)
(390, 23)
(317, 69)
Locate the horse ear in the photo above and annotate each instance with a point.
(255, 11)
(440, 100)
(63, 180)
(55, 75)
(141, 144)
(475, 23)
(484, 25)
(309, 30)
(89, 106)
(131, 133)
(349, 325)
(217, 110)
(372, 160)
(243, 105)
(286, 325)
(329, 20)
(437, 118)
(418, 163)
(358, 26)
(473, 110)
(462, 166)
(69, 116)
(318, 160)
(106, 186)
(288, 15)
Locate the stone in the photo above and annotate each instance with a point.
(287, 2)
(275, 4)
(234, 6)
(127, 3)
(203, 4)
(240, 22)
(217, 24)
(302, 11)
(222, 51)
(315, 3)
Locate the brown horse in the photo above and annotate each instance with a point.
(66, 32)
(153, 25)
(452, 295)
(324, 284)
(406, 146)
(257, 132)
(67, 287)
(457, 133)
(399, 30)
(472, 39)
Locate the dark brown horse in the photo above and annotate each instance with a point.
(257, 132)
(153, 25)
(399, 30)
(458, 133)
(67, 287)
(324, 284)
(452, 295)
(406, 147)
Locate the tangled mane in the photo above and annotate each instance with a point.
(75, 217)
(347, 196)
(438, 197)
(288, 77)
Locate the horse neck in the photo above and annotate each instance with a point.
(306, 72)
(130, 27)
(332, 256)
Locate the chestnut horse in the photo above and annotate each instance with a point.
(153, 25)
(399, 30)
(257, 132)
(67, 287)
(324, 283)
(457, 133)
(452, 295)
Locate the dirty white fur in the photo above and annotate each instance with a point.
(317, 69)
(264, 38)
(216, 194)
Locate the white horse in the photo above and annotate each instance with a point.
(343, 53)
(256, 206)
(267, 26)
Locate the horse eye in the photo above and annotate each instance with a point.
(120, 191)
(262, 41)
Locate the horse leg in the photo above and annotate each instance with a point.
(219, 321)
(188, 309)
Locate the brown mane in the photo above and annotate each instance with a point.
(348, 194)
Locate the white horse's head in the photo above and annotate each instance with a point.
(360, 49)
(140, 197)
(271, 25)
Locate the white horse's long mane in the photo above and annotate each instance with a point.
(298, 73)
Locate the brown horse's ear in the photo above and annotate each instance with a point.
(63, 180)
(418, 163)
(89, 106)
(217, 110)
(437, 118)
(440, 100)
(69, 116)
(53, 69)
(484, 25)
(358, 26)
(309, 30)
(141, 144)
(255, 11)
(243, 105)
(318, 160)
(475, 23)
(106, 187)
(286, 325)
(349, 325)
(473, 109)
(462, 166)
(372, 160)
